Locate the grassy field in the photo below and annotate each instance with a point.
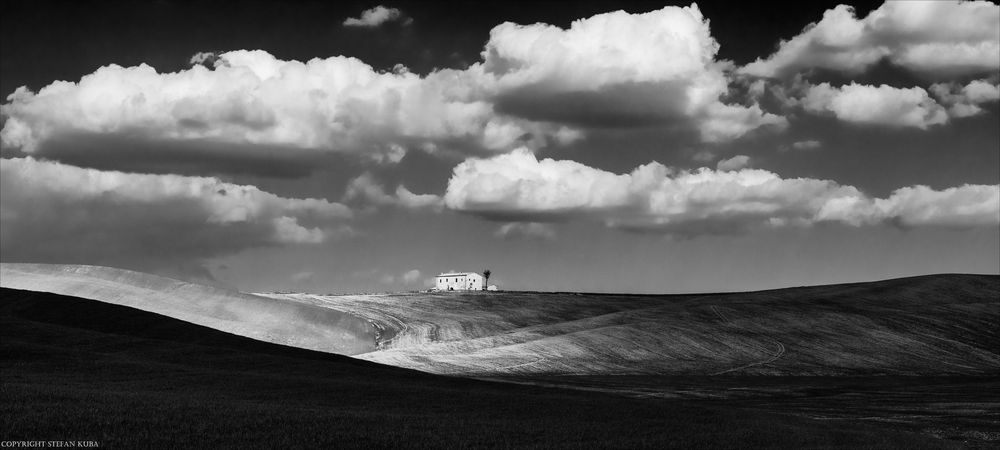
(265, 319)
(76, 369)
(922, 326)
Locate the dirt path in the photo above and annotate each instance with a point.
(777, 354)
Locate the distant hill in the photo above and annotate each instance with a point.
(266, 319)
(85, 370)
(928, 325)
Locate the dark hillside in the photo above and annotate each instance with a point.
(76, 369)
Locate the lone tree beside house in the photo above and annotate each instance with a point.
(486, 275)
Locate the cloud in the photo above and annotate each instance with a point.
(965, 206)
(882, 105)
(300, 277)
(655, 198)
(810, 144)
(51, 212)
(735, 163)
(407, 277)
(377, 16)
(394, 155)
(619, 70)
(932, 38)
(365, 190)
(409, 200)
(528, 230)
(964, 101)
(255, 105)
(538, 86)
(411, 276)
(207, 59)
(136, 152)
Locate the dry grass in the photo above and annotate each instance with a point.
(932, 325)
(75, 369)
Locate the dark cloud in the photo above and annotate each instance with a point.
(138, 152)
(624, 105)
(53, 212)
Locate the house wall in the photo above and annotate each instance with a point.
(469, 281)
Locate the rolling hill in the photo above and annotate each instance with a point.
(266, 319)
(928, 325)
(84, 370)
(940, 325)
(143, 359)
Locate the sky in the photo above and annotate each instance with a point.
(639, 147)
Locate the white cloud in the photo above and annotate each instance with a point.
(932, 38)
(539, 85)
(518, 187)
(377, 16)
(59, 213)
(968, 205)
(411, 276)
(735, 163)
(619, 70)
(392, 155)
(365, 189)
(964, 101)
(409, 200)
(530, 230)
(882, 105)
(338, 104)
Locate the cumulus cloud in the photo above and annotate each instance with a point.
(255, 104)
(619, 70)
(537, 86)
(964, 101)
(968, 205)
(377, 16)
(655, 198)
(735, 163)
(365, 190)
(51, 212)
(528, 230)
(881, 105)
(931, 38)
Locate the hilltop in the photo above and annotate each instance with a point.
(928, 325)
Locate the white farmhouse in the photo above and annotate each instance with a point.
(460, 281)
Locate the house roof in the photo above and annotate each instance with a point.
(457, 274)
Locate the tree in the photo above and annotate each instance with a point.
(486, 275)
